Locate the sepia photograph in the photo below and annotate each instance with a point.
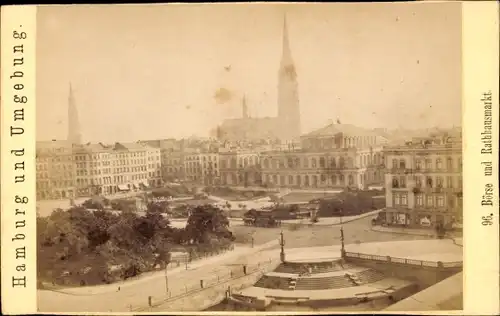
(249, 157)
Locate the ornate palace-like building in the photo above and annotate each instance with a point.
(336, 156)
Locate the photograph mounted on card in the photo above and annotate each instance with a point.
(271, 130)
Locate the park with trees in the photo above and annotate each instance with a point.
(88, 247)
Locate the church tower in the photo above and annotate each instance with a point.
(288, 97)
(74, 136)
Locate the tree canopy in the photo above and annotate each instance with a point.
(139, 242)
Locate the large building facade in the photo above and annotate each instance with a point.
(94, 173)
(336, 156)
(240, 167)
(424, 182)
(202, 167)
(55, 170)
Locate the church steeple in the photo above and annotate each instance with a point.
(286, 56)
(74, 135)
(288, 100)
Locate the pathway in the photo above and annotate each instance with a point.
(144, 278)
(331, 221)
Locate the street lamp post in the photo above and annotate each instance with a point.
(166, 278)
(282, 245)
(342, 249)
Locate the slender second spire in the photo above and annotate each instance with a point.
(244, 107)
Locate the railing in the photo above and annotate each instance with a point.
(423, 263)
(191, 288)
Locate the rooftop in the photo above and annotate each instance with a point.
(346, 129)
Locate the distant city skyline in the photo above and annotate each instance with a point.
(152, 72)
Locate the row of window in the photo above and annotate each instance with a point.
(45, 175)
(98, 181)
(154, 174)
(204, 158)
(54, 184)
(242, 162)
(154, 158)
(62, 166)
(308, 162)
(322, 162)
(428, 182)
(429, 163)
(342, 142)
(172, 170)
(191, 164)
(427, 200)
(309, 180)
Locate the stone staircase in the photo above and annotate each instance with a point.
(318, 282)
(273, 282)
(333, 282)
(314, 268)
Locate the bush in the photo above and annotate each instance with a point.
(350, 204)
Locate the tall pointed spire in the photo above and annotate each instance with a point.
(74, 136)
(288, 101)
(286, 57)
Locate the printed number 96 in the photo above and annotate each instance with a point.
(487, 220)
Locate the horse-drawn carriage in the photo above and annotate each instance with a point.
(260, 219)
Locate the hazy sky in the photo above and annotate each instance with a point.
(149, 72)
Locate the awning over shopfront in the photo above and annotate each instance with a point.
(123, 187)
(145, 184)
(135, 186)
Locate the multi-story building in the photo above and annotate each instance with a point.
(55, 173)
(202, 167)
(130, 169)
(171, 159)
(239, 167)
(424, 182)
(210, 170)
(107, 169)
(334, 156)
(94, 174)
(172, 165)
(154, 166)
(192, 166)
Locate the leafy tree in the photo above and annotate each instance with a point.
(60, 234)
(205, 222)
